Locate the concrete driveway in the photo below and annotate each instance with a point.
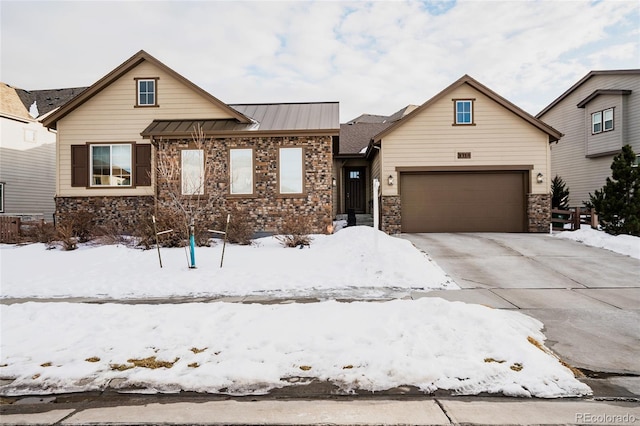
(588, 298)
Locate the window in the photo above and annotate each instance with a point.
(146, 92)
(463, 111)
(1, 197)
(354, 174)
(596, 122)
(241, 171)
(608, 119)
(290, 173)
(602, 121)
(110, 165)
(192, 171)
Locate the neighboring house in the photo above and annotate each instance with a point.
(352, 189)
(467, 160)
(27, 151)
(597, 115)
(268, 161)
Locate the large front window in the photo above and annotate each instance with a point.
(291, 171)
(192, 172)
(241, 171)
(111, 165)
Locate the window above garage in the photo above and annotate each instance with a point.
(463, 112)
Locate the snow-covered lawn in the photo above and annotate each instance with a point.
(430, 343)
(623, 244)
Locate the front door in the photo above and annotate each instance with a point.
(355, 189)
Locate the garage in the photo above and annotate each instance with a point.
(458, 201)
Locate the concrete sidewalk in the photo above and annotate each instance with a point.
(347, 411)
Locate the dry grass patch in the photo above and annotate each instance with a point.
(493, 360)
(93, 359)
(194, 365)
(197, 351)
(305, 367)
(576, 372)
(516, 367)
(150, 362)
(46, 364)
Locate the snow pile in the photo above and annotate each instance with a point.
(250, 348)
(355, 262)
(623, 244)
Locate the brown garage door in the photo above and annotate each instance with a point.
(463, 201)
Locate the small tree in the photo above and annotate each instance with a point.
(618, 202)
(559, 194)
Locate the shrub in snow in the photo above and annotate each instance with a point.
(295, 231)
(618, 202)
(240, 230)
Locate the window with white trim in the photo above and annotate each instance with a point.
(602, 121)
(241, 171)
(146, 92)
(110, 165)
(192, 171)
(291, 171)
(464, 111)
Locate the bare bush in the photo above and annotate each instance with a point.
(240, 230)
(295, 231)
(66, 235)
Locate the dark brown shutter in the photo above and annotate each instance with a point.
(143, 165)
(79, 165)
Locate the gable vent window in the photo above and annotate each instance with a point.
(602, 121)
(147, 92)
(463, 112)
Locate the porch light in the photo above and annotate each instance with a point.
(333, 181)
(539, 178)
(390, 180)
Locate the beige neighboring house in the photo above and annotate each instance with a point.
(270, 162)
(467, 160)
(27, 151)
(597, 115)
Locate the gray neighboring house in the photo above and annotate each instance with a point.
(27, 151)
(597, 115)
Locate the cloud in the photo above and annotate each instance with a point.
(373, 57)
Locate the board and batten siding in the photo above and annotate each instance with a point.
(499, 137)
(569, 157)
(111, 116)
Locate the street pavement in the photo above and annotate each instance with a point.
(588, 299)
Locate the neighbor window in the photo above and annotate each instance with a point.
(602, 121)
(463, 111)
(110, 165)
(241, 170)
(1, 197)
(146, 92)
(192, 175)
(290, 171)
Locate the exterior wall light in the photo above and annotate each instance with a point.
(390, 180)
(539, 178)
(333, 182)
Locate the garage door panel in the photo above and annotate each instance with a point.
(463, 202)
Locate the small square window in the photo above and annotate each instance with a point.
(146, 92)
(463, 112)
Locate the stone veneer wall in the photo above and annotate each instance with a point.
(390, 216)
(124, 214)
(539, 212)
(265, 209)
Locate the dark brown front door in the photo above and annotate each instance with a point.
(355, 189)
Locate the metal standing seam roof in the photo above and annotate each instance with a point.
(282, 117)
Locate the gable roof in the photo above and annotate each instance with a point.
(48, 100)
(284, 118)
(581, 82)
(123, 68)
(11, 106)
(554, 135)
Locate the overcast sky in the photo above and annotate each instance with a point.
(373, 57)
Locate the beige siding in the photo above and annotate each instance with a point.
(110, 116)
(568, 157)
(498, 138)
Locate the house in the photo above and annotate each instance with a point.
(467, 160)
(597, 115)
(269, 162)
(27, 151)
